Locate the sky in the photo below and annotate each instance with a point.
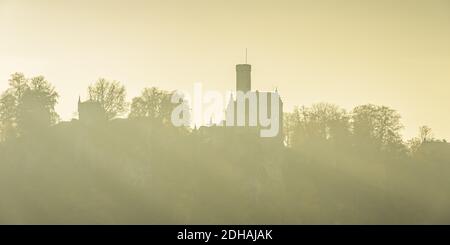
(348, 52)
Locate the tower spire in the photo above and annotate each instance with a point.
(246, 56)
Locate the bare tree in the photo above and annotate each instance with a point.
(111, 95)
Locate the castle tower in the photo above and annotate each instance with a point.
(90, 112)
(243, 77)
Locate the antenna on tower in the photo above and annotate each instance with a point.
(246, 56)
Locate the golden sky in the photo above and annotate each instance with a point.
(395, 53)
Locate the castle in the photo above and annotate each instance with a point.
(240, 118)
(243, 114)
(252, 101)
(90, 112)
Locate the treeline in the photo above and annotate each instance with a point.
(335, 166)
(366, 129)
(28, 104)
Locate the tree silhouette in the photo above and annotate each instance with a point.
(153, 103)
(425, 133)
(27, 105)
(7, 116)
(320, 124)
(378, 126)
(111, 95)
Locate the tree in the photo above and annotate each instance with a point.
(425, 134)
(111, 95)
(18, 84)
(321, 123)
(7, 116)
(378, 126)
(153, 103)
(27, 105)
(36, 109)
